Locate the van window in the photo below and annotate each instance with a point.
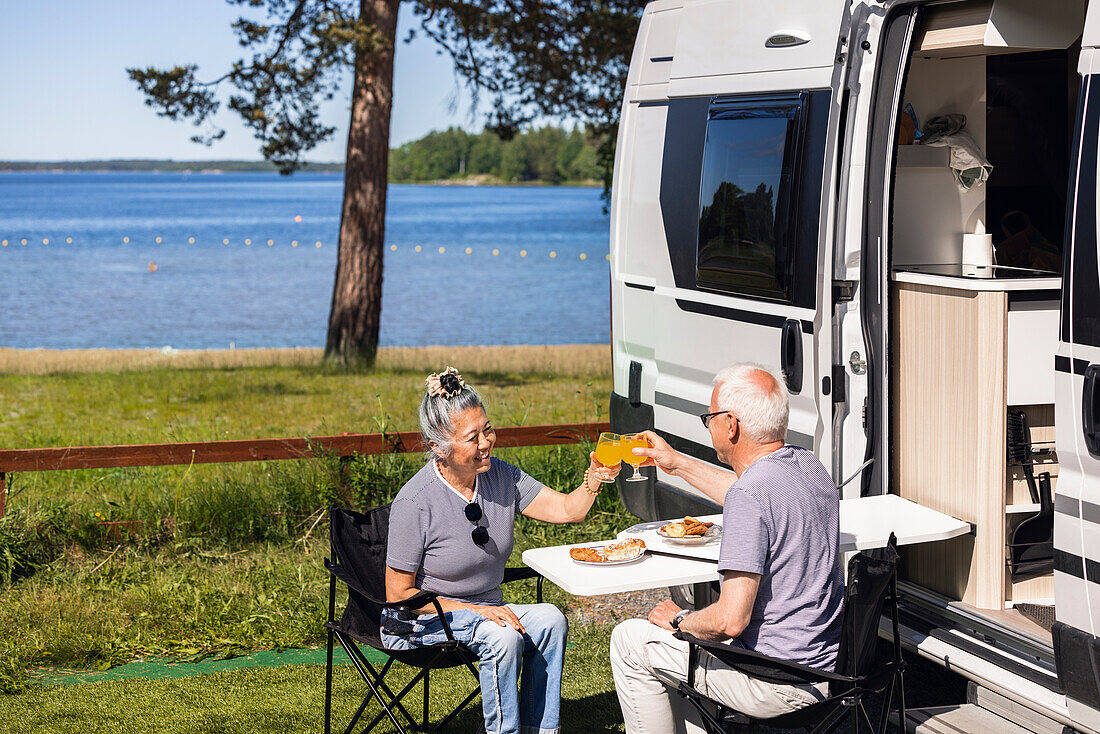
(688, 146)
(1081, 294)
(747, 240)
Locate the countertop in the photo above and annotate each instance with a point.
(978, 278)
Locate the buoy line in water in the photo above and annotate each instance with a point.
(442, 250)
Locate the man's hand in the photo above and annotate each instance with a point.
(707, 478)
(660, 454)
(662, 614)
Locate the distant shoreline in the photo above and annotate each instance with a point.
(571, 359)
(153, 165)
(218, 168)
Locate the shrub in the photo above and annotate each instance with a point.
(28, 541)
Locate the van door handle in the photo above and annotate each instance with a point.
(790, 358)
(1090, 409)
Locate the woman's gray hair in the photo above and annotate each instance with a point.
(758, 397)
(436, 426)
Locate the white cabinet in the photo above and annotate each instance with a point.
(1032, 342)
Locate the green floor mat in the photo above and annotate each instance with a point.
(166, 668)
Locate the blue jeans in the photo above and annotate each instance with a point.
(520, 673)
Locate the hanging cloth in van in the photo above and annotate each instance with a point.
(969, 165)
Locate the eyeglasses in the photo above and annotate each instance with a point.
(480, 534)
(706, 417)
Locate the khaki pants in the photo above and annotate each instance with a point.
(648, 663)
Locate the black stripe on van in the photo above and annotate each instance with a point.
(639, 286)
(1068, 563)
(793, 438)
(681, 404)
(1074, 565)
(689, 447)
(1072, 507)
(1076, 366)
(737, 314)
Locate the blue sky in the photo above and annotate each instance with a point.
(65, 95)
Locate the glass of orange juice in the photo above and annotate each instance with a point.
(627, 443)
(608, 450)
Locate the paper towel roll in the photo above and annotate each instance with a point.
(977, 249)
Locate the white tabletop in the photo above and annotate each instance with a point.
(865, 522)
(649, 572)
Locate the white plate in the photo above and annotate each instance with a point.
(639, 557)
(714, 532)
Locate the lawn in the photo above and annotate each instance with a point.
(290, 699)
(215, 561)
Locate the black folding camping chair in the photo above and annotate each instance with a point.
(872, 584)
(358, 560)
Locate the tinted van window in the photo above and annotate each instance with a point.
(1081, 272)
(748, 194)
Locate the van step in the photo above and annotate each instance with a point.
(965, 717)
(1012, 711)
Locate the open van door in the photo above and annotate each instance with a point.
(1077, 409)
(722, 220)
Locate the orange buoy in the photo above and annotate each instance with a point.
(298, 218)
(152, 267)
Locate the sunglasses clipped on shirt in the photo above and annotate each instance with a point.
(480, 534)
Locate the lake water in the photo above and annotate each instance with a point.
(98, 291)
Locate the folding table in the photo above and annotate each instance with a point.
(865, 522)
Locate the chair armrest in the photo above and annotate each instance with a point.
(525, 572)
(761, 666)
(416, 601)
(422, 599)
(522, 572)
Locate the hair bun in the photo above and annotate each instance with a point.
(446, 384)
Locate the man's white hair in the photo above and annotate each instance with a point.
(758, 397)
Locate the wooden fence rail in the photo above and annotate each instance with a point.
(264, 449)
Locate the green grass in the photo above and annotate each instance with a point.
(159, 405)
(218, 559)
(163, 405)
(291, 699)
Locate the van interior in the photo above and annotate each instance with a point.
(978, 207)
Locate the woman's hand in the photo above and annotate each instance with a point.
(602, 472)
(502, 615)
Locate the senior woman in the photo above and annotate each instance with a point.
(451, 533)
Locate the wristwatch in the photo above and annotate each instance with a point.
(678, 619)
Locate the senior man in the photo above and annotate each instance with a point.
(782, 586)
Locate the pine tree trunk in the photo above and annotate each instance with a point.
(357, 294)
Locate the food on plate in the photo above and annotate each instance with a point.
(591, 555)
(690, 526)
(675, 529)
(622, 551)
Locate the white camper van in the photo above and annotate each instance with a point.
(896, 203)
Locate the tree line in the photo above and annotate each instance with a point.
(547, 154)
